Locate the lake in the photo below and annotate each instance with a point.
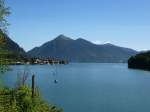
(89, 87)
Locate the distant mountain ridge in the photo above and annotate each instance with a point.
(81, 50)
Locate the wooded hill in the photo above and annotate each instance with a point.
(140, 61)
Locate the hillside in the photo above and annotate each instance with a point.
(140, 61)
(80, 50)
(11, 47)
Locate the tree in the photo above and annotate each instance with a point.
(4, 12)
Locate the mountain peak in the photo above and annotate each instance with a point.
(62, 37)
(81, 50)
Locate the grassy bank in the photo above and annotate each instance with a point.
(21, 100)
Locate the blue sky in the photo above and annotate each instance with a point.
(121, 22)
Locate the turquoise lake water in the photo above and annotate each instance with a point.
(89, 87)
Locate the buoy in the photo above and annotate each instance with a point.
(55, 81)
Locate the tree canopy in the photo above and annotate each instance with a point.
(4, 12)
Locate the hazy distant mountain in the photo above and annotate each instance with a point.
(81, 50)
(12, 47)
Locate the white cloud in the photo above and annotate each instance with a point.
(97, 42)
(107, 42)
(100, 42)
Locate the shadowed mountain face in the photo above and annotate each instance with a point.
(81, 50)
(12, 46)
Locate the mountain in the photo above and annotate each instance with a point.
(12, 46)
(81, 50)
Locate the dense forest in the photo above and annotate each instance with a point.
(140, 61)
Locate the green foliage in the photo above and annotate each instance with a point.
(20, 100)
(140, 61)
(4, 60)
(4, 12)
